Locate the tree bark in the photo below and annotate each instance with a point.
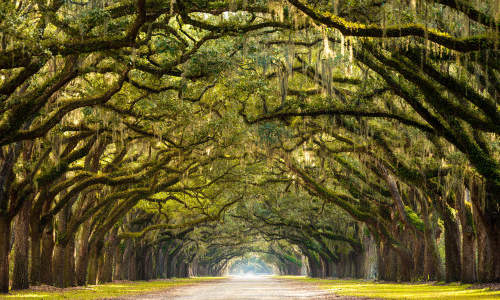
(164, 264)
(489, 243)
(46, 257)
(405, 267)
(125, 261)
(326, 267)
(58, 265)
(432, 269)
(140, 263)
(37, 231)
(118, 263)
(482, 252)
(93, 266)
(148, 265)
(60, 256)
(20, 278)
(386, 262)
(468, 239)
(106, 268)
(132, 267)
(63, 265)
(83, 255)
(4, 253)
(492, 226)
(172, 262)
(314, 266)
(487, 218)
(452, 246)
(418, 256)
(185, 270)
(35, 257)
(158, 262)
(69, 268)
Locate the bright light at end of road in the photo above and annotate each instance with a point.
(250, 275)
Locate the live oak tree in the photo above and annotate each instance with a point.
(155, 123)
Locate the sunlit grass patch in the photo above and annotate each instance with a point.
(400, 291)
(108, 290)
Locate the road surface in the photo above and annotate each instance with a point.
(244, 288)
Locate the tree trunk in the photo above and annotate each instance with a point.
(92, 270)
(20, 278)
(487, 216)
(106, 268)
(405, 267)
(492, 226)
(37, 231)
(172, 262)
(314, 266)
(419, 256)
(100, 269)
(58, 265)
(4, 253)
(186, 270)
(495, 236)
(432, 269)
(35, 257)
(63, 265)
(164, 264)
(181, 268)
(69, 268)
(468, 258)
(326, 267)
(62, 253)
(452, 246)
(132, 270)
(193, 267)
(158, 262)
(482, 252)
(148, 265)
(387, 265)
(83, 255)
(118, 263)
(140, 263)
(125, 261)
(46, 257)
(93, 266)
(468, 239)
(82, 265)
(491, 259)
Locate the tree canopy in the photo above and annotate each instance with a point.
(168, 138)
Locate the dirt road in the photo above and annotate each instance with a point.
(244, 288)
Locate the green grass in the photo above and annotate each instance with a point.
(400, 291)
(107, 290)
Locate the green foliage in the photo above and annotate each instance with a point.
(254, 133)
(271, 133)
(414, 219)
(167, 45)
(88, 18)
(207, 62)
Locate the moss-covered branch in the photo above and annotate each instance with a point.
(347, 28)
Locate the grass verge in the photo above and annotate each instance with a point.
(108, 290)
(373, 289)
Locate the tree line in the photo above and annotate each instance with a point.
(146, 139)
